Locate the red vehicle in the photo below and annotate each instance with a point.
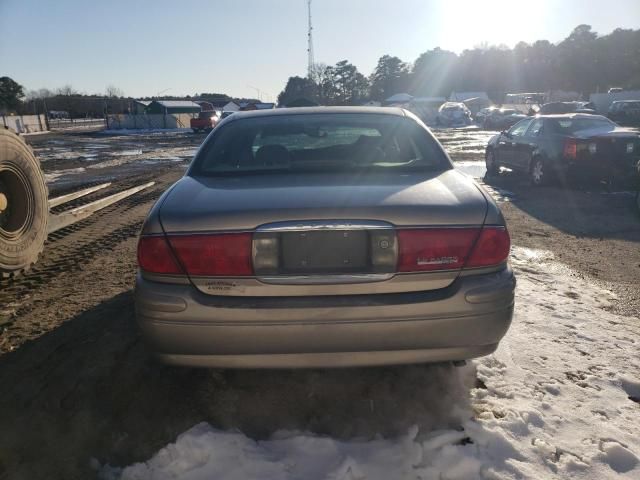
(206, 121)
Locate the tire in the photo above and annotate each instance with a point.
(493, 169)
(195, 130)
(24, 205)
(538, 174)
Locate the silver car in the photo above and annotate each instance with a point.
(323, 237)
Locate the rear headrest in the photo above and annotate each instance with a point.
(273, 155)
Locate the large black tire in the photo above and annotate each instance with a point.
(23, 204)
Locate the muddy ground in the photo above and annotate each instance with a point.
(78, 387)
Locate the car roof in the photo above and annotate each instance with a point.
(394, 111)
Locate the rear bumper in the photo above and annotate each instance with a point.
(464, 320)
(621, 166)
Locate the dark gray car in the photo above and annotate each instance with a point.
(323, 237)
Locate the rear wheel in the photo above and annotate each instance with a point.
(23, 205)
(492, 167)
(538, 172)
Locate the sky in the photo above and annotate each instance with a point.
(248, 48)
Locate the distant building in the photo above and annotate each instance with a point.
(230, 107)
(140, 107)
(173, 106)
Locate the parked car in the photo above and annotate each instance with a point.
(315, 237)
(502, 118)
(567, 107)
(565, 147)
(453, 114)
(625, 112)
(483, 113)
(206, 121)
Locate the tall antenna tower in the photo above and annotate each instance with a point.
(310, 43)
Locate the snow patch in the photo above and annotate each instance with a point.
(553, 402)
(53, 176)
(127, 153)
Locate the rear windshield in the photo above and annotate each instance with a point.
(566, 126)
(320, 142)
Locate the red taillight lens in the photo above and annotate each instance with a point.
(492, 248)
(214, 255)
(155, 256)
(570, 149)
(451, 248)
(435, 248)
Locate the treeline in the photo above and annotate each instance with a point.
(583, 62)
(80, 105)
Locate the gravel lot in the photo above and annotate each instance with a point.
(78, 383)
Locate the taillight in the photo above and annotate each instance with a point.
(492, 248)
(434, 248)
(226, 254)
(155, 256)
(570, 151)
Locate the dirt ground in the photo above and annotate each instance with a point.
(78, 387)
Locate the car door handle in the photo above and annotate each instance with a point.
(501, 143)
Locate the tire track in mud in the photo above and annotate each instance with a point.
(69, 250)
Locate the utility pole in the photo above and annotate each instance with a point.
(258, 91)
(310, 43)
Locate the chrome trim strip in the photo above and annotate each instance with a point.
(325, 279)
(338, 225)
(314, 225)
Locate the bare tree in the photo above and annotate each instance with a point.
(112, 91)
(41, 93)
(67, 91)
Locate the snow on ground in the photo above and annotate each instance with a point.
(558, 399)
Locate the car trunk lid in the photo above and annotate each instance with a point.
(329, 235)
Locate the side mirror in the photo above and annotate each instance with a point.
(506, 133)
